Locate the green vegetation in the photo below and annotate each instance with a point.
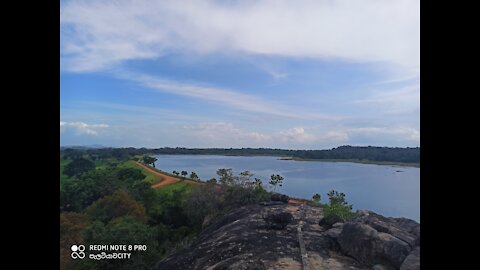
(149, 160)
(109, 200)
(316, 199)
(63, 177)
(183, 187)
(338, 210)
(193, 175)
(150, 177)
(365, 154)
(105, 198)
(78, 166)
(113, 201)
(211, 200)
(276, 180)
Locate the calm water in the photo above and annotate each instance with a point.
(388, 190)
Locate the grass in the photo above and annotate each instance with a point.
(179, 186)
(150, 177)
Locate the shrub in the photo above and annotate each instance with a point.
(206, 202)
(315, 201)
(337, 211)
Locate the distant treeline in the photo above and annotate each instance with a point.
(362, 153)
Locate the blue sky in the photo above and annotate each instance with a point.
(283, 74)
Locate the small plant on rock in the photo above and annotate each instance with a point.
(338, 210)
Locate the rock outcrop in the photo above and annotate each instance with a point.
(279, 197)
(267, 236)
(373, 239)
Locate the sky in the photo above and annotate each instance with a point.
(304, 74)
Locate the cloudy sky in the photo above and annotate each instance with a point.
(303, 74)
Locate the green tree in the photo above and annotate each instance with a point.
(78, 166)
(316, 198)
(119, 204)
(71, 153)
(149, 160)
(193, 175)
(276, 180)
(89, 187)
(212, 181)
(142, 192)
(184, 174)
(130, 174)
(226, 177)
(176, 173)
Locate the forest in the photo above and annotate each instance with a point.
(110, 201)
(347, 152)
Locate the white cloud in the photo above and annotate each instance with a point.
(336, 136)
(82, 128)
(221, 96)
(272, 71)
(226, 132)
(403, 100)
(296, 134)
(97, 35)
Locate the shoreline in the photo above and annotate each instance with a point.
(391, 163)
(388, 163)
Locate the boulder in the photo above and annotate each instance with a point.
(333, 232)
(382, 267)
(240, 265)
(404, 229)
(412, 262)
(371, 247)
(279, 197)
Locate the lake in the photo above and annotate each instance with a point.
(392, 191)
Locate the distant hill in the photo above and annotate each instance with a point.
(92, 146)
(347, 152)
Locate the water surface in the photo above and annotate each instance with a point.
(388, 190)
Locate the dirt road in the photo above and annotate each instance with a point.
(167, 179)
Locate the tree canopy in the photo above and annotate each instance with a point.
(78, 166)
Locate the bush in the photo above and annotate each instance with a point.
(315, 201)
(206, 202)
(337, 211)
